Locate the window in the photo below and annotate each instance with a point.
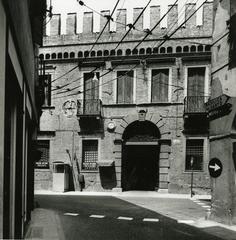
(196, 81)
(43, 152)
(89, 154)
(47, 90)
(125, 86)
(159, 85)
(194, 154)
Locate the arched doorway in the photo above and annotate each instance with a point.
(140, 156)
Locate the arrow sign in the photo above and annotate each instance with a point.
(215, 167)
(217, 102)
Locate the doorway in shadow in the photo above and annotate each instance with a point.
(140, 157)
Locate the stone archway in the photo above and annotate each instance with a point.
(140, 156)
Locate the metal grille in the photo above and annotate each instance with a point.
(43, 148)
(90, 154)
(194, 153)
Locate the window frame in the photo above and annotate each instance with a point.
(150, 84)
(206, 79)
(205, 152)
(116, 86)
(99, 83)
(49, 145)
(81, 158)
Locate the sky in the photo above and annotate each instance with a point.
(70, 6)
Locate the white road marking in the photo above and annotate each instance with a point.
(206, 206)
(125, 218)
(201, 203)
(186, 221)
(71, 214)
(97, 216)
(151, 220)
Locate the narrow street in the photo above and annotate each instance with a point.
(107, 217)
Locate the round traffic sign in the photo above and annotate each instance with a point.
(215, 167)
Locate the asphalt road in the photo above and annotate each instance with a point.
(110, 218)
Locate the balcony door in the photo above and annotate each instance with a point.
(196, 87)
(91, 93)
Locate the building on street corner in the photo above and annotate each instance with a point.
(222, 113)
(20, 36)
(127, 114)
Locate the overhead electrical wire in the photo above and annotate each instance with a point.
(123, 56)
(115, 48)
(148, 33)
(109, 18)
(167, 38)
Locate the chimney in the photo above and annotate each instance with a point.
(139, 24)
(88, 22)
(155, 15)
(172, 17)
(121, 19)
(71, 24)
(55, 25)
(103, 21)
(189, 10)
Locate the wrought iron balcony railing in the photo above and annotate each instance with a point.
(89, 107)
(195, 104)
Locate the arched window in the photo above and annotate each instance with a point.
(80, 54)
(41, 56)
(128, 52)
(59, 55)
(148, 51)
(119, 52)
(105, 53)
(186, 49)
(200, 48)
(112, 52)
(163, 50)
(93, 54)
(155, 50)
(65, 55)
(99, 53)
(141, 51)
(86, 53)
(47, 56)
(208, 48)
(72, 55)
(193, 48)
(169, 50)
(178, 49)
(54, 56)
(135, 51)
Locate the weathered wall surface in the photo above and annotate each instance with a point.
(168, 116)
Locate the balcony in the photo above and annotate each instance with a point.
(89, 108)
(195, 114)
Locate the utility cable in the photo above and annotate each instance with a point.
(123, 57)
(167, 38)
(109, 18)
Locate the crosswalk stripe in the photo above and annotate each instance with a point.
(206, 206)
(97, 216)
(185, 221)
(71, 214)
(151, 220)
(125, 218)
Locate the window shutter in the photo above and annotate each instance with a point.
(124, 87)
(196, 81)
(160, 81)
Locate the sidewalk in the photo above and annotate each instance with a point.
(45, 224)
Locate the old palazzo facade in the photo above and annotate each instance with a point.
(127, 118)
